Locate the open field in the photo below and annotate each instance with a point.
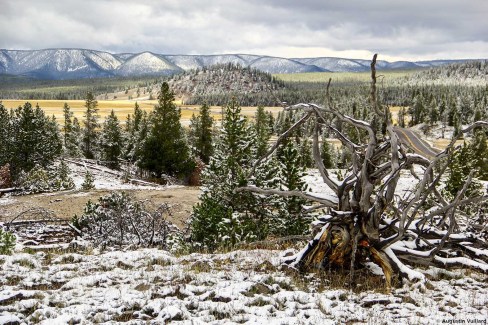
(121, 108)
(343, 77)
(66, 204)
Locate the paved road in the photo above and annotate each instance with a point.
(414, 142)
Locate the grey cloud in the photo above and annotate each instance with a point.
(417, 29)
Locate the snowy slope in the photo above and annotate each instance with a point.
(60, 63)
(279, 65)
(146, 63)
(80, 63)
(335, 64)
(186, 62)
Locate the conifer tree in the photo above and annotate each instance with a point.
(165, 150)
(263, 131)
(68, 124)
(401, 117)
(457, 124)
(433, 115)
(111, 141)
(71, 133)
(90, 134)
(30, 147)
(201, 134)
(480, 154)
(327, 154)
(291, 216)
(5, 138)
(305, 158)
(224, 217)
(460, 167)
(88, 182)
(134, 126)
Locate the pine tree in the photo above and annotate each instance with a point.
(327, 154)
(5, 138)
(88, 182)
(68, 124)
(66, 182)
(480, 154)
(201, 134)
(433, 115)
(291, 172)
(134, 125)
(459, 168)
(263, 131)
(35, 139)
(165, 151)
(111, 141)
(223, 216)
(71, 133)
(478, 116)
(457, 125)
(305, 153)
(417, 111)
(401, 117)
(90, 134)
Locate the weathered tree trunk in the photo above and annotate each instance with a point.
(357, 229)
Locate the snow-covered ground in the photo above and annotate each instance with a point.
(108, 179)
(150, 286)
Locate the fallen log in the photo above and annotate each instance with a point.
(9, 190)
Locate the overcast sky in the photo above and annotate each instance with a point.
(396, 29)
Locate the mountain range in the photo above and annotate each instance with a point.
(82, 63)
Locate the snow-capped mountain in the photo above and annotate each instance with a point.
(81, 63)
(146, 63)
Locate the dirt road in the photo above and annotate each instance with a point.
(66, 204)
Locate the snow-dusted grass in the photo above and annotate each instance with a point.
(150, 285)
(104, 179)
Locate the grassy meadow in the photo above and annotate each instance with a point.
(121, 108)
(343, 77)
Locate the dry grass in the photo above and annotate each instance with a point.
(340, 77)
(443, 143)
(66, 204)
(122, 108)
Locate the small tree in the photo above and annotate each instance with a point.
(263, 131)
(293, 221)
(5, 138)
(7, 242)
(480, 153)
(90, 134)
(35, 139)
(166, 150)
(327, 154)
(224, 217)
(461, 165)
(201, 137)
(111, 141)
(136, 130)
(71, 133)
(88, 182)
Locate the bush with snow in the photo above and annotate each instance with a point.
(88, 182)
(7, 242)
(39, 179)
(117, 219)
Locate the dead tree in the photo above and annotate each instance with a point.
(366, 220)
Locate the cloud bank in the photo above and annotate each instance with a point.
(416, 30)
